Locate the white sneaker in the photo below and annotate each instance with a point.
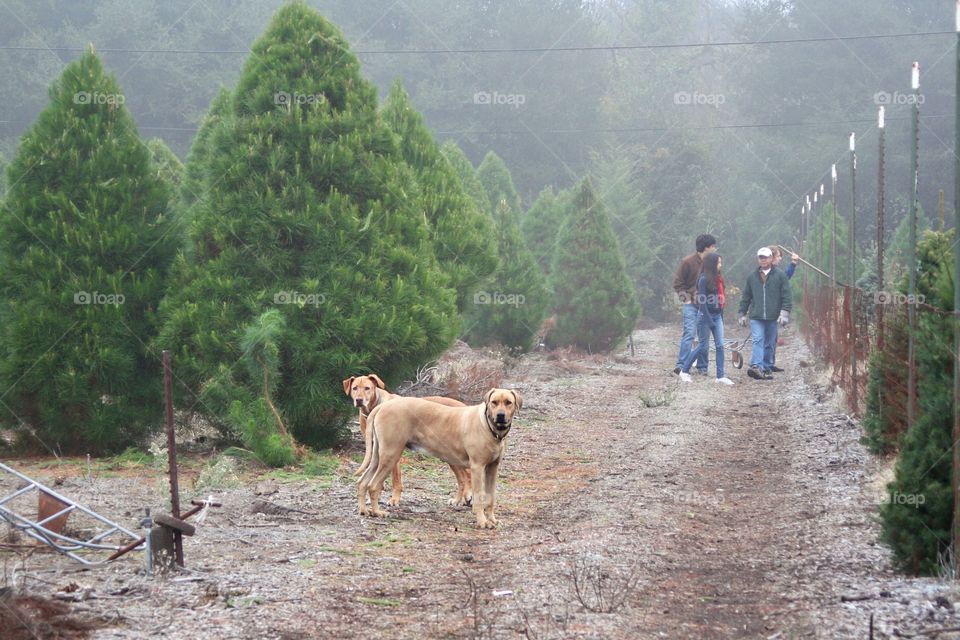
(725, 380)
(685, 377)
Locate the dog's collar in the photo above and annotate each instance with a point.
(376, 400)
(499, 434)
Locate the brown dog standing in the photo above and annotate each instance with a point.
(368, 392)
(460, 436)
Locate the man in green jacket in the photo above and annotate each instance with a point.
(766, 295)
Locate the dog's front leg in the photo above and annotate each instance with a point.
(490, 490)
(479, 499)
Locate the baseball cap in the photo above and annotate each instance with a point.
(764, 252)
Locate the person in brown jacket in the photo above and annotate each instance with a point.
(685, 284)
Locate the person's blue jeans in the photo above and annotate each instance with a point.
(703, 349)
(763, 341)
(770, 348)
(686, 339)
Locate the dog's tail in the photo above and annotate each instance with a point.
(367, 446)
(373, 453)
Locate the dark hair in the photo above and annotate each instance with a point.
(711, 269)
(705, 240)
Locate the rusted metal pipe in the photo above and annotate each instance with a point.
(172, 453)
(199, 505)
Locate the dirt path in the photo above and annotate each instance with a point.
(724, 512)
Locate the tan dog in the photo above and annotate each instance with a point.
(368, 392)
(468, 436)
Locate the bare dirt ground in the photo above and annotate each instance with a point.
(631, 505)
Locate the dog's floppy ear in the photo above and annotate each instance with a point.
(376, 379)
(517, 398)
(347, 383)
(486, 396)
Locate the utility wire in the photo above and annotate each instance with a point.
(756, 125)
(624, 47)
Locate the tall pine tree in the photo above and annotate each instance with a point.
(497, 183)
(594, 300)
(305, 208)
(540, 226)
(468, 174)
(462, 232)
(86, 241)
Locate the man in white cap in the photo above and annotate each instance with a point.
(766, 296)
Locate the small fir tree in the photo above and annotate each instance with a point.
(540, 226)
(497, 183)
(594, 300)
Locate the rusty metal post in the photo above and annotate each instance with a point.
(879, 302)
(833, 238)
(912, 252)
(956, 307)
(172, 452)
(851, 288)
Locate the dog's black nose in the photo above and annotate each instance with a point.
(501, 418)
(358, 402)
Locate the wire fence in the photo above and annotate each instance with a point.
(845, 327)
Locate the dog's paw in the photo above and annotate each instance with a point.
(394, 501)
(378, 513)
(486, 524)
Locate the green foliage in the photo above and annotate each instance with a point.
(468, 175)
(166, 163)
(498, 185)
(917, 517)
(255, 423)
(895, 257)
(509, 311)
(540, 226)
(594, 300)
(323, 464)
(630, 216)
(194, 179)
(883, 423)
(304, 208)
(86, 241)
(461, 231)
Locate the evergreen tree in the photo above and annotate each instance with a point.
(197, 159)
(462, 232)
(594, 300)
(509, 311)
(304, 205)
(630, 214)
(166, 163)
(468, 175)
(895, 257)
(498, 185)
(540, 226)
(917, 516)
(86, 241)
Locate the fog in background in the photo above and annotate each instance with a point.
(726, 139)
